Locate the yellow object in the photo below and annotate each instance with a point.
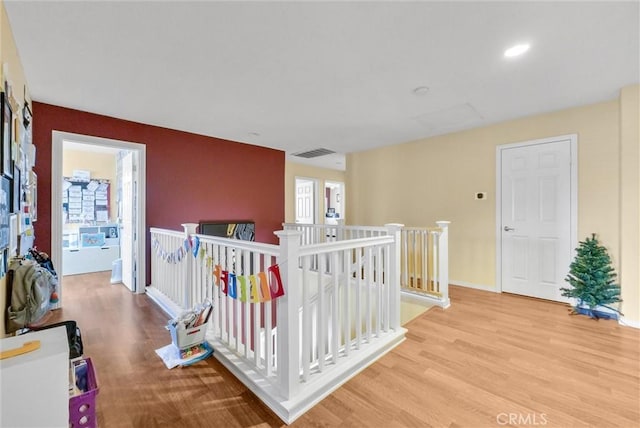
(25, 348)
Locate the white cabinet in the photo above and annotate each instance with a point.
(34, 387)
(88, 259)
(90, 248)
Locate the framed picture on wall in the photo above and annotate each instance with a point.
(13, 235)
(33, 183)
(7, 137)
(5, 203)
(17, 189)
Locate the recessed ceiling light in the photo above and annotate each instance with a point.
(516, 50)
(421, 91)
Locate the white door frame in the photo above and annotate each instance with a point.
(573, 138)
(57, 146)
(127, 212)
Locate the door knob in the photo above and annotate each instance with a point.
(508, 229)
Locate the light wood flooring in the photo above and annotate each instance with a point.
(490, 360)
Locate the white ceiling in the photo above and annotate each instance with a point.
(339, 75)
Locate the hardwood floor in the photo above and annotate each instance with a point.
(490, 360)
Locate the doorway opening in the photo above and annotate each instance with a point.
(333, 202)
(97, 210)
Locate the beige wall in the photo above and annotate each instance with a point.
(9, 56)
(419, 182)
(630, 200)
(101, 166)
(15, 75)
(293, 170)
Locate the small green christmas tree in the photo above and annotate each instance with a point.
(592, 278)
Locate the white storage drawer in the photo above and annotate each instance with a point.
(91, 259)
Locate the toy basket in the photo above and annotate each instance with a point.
(82, 408)
(187, 337)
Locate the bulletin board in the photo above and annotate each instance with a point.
(85, 201)
(5, 205)
(242, 229)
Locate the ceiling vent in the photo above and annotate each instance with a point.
(313, 153)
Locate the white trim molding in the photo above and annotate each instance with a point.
(421, 299)
(466, 284)
(628, 323)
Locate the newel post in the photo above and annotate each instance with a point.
(288, 315)
(395, 230)
(187, 275)
(443, 261)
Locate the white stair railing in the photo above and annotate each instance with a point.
(425, 262)
(424, 255)
(170, 275)
(317, 233)
(340, 309)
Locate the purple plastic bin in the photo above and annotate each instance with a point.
(82, 408)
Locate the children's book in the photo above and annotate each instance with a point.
(81, 375)
(195, 353)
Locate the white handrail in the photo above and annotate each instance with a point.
(327, 247)
(270, 249)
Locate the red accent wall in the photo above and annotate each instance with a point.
(189, 177)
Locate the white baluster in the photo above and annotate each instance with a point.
(346, 290)
(443, 269)
(335, 327)
(246, 305)
(387, 272)
(257, 315)
(369, 284)
(321, 314)
(307, 332)
(424, 250)
(404, 259)
(394, 275)
(378, 288)
(358, 297)
(268, 321)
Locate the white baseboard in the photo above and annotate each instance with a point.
(170, 308)
(483, 287)
(628, 323)
(408, 296)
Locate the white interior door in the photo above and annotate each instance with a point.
(536, 210)
(305, 201)
(127, 226)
